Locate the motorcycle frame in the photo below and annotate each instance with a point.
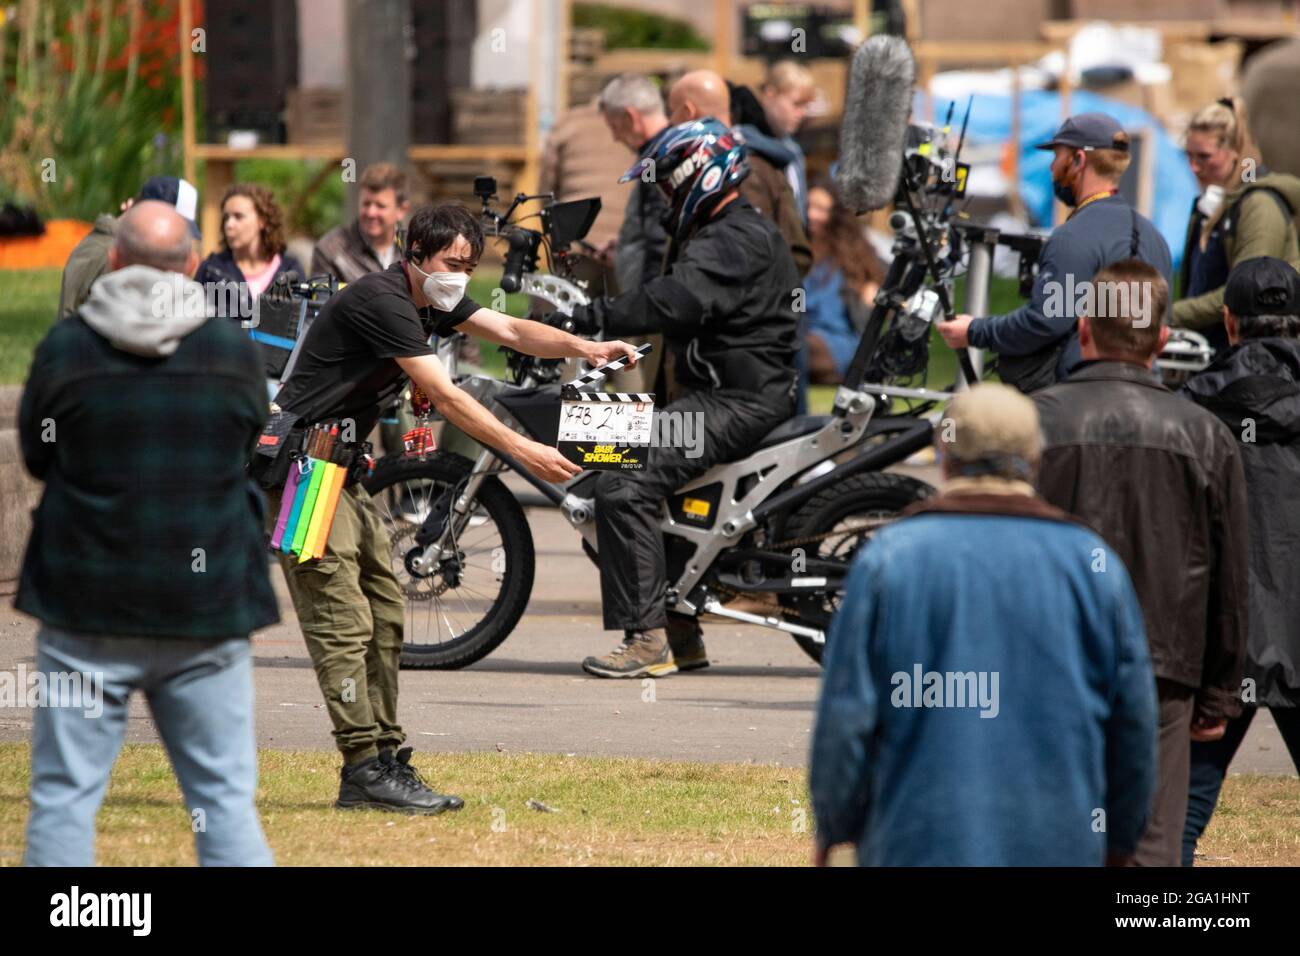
(851, 424)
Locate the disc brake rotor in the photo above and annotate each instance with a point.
(418, 585)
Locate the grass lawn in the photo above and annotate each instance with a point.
(29, 299)
(634, 812)
(608, 812)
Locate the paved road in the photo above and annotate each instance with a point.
(754, 704)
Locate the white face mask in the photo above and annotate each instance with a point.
(443, 289)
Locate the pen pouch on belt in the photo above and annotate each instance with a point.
(334, 489)
(308, 505)
(316, 499)
(303, 466)
(280, 438)
(286, 507)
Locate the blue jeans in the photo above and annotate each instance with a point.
(201, 696)
(1210, 763)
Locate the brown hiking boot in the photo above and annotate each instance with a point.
(642, 654)
(686, 638)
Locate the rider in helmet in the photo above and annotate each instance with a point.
(725, 306)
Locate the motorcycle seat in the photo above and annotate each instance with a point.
(796, 427)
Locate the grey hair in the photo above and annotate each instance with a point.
(631, 91)
(1268, 326)
(153, 233)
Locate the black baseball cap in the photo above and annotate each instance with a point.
(1262, 286)
(1089, 131)
(175, 192)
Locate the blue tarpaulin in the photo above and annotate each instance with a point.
(1040, 115)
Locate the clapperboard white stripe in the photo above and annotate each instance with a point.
(588, 382)
(609, 396)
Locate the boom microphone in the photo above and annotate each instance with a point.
(876, 111)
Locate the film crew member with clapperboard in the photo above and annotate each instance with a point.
(355, 357)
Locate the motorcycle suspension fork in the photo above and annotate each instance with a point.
(462, 509)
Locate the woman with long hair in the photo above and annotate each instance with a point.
(1243, 212)
(840, 286)
(253, 250)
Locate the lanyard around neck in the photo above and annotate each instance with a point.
(1104, 194)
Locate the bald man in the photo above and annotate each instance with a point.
(702, 93)
(146, 565)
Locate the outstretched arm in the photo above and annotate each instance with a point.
(542, 340)
(463, 411)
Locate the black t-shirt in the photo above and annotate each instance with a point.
(346, 367)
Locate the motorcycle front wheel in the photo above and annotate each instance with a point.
(461, 611)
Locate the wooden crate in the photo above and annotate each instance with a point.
(455, 180)
(585, 84)
(1130, 11)
(992, 20)
(314, 115)
(488, 117)
(1202, 72)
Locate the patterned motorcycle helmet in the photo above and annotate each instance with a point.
(694, 164)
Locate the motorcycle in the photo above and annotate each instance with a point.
(779, 526)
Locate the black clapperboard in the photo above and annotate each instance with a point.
(605, 431)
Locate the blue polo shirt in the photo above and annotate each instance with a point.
(1097, 235)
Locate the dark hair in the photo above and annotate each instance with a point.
(435, 227)
(1115, 325)
(271, 234)
(843, 242)
(1268, 326)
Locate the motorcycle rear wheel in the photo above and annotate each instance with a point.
(840, 520)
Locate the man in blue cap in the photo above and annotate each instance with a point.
(1038, 343)
(89, 259)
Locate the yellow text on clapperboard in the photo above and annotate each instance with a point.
(603, 454)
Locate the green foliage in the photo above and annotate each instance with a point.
(312, 196)
(91, 105)
(637, 29)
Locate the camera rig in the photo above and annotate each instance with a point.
(563, 224)
(917, 290)
(931, 245)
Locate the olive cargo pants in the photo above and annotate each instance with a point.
(352, 614)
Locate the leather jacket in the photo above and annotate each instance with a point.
(1161, 480)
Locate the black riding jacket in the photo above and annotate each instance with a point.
(726, 307)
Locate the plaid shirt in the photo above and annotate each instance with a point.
(148, 524)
